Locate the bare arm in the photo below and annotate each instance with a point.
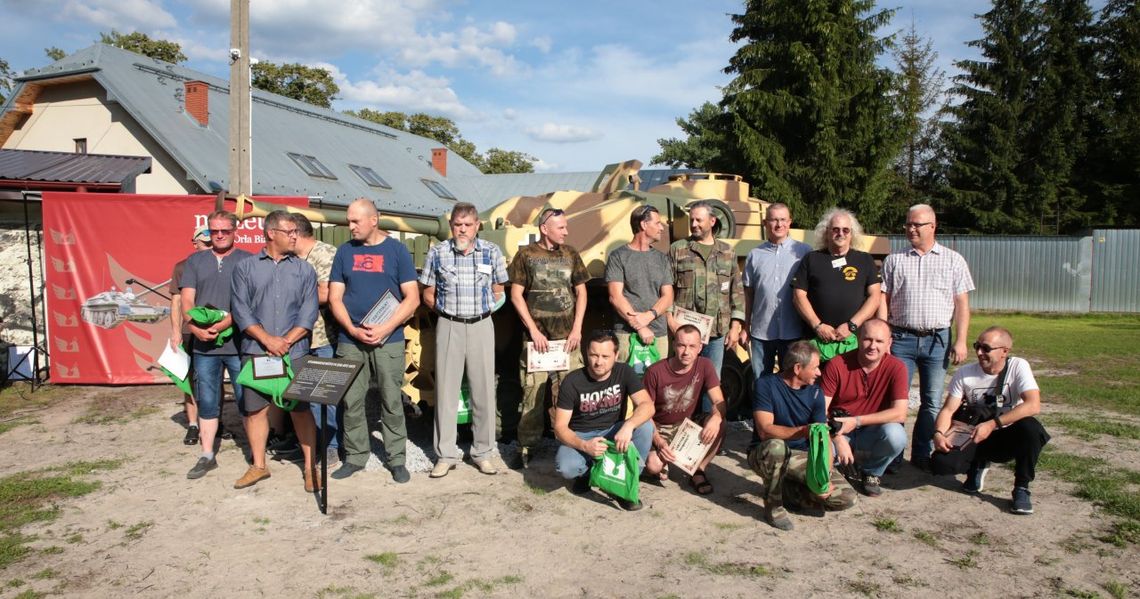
(175, 319)
(884, 306)
(961, 327)
(895, 413)
(429, 297)
(803, 306)
(766, 424)
(575, 338)
(323, 293)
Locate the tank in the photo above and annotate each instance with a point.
(598, 222)
(111, 308)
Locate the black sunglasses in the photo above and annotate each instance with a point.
(549, 212)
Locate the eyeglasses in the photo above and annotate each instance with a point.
(546, 214)
(289, 232)
(841, 230)
(982, 347)
(778, 220)
(222, 231)
(916, 225)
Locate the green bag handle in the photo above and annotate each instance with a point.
(818, 476)
(203, 316)
(273, 387)
(640, 352)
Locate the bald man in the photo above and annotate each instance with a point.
(364, 269)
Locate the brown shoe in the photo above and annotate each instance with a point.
(251, 477)
(312, 481)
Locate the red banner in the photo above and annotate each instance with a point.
(102, 329)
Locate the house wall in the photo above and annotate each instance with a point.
(68, 111)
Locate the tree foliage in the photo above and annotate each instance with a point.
(312, 85)
(497, 161)
(54, 53)
(6, 76)
(920, 100)
(710, 143)
(141, 43)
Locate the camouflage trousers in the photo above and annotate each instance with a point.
(784, 472)
(532, 406)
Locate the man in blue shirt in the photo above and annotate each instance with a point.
(463, 281)
(364, 270)
(274, 306)
(783, 407)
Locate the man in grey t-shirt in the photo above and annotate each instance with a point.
(640, 284)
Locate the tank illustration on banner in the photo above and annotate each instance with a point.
(111, 308)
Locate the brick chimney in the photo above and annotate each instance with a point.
(198, 101)
(439, 160)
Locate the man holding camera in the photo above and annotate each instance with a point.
(999, 398)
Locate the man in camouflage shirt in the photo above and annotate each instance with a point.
(548, 289)
(320, 255)
(706, 279)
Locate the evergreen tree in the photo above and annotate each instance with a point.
(141, 43)
(920, 100)
(312, 85)
(810, 107)
(709, 144)
(1114, 157)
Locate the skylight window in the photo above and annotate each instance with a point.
(370, 176)
(311, 166)
(439, 189)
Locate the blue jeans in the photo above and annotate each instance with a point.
(764, 353)
(208, 383)
(326, 351)
(571, 463)
(876, 445)
(931, 356)
(714, 351)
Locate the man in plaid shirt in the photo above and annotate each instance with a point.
(463, 281)
(925, 288)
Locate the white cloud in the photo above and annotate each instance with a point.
(407, 92)
(124, 16)
(542, 166)
(543, 43)
(562, 134)
(510, 114)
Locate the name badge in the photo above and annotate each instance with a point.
(267, 367)
(839, 262)
(484, 268)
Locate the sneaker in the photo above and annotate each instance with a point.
(400, 474)
(441, 469)
(1021, 503)
(581, 484)
(191, 437)
(976, 478)
(871, 485)
(486, 467)
(203, 466)
(629, 506)
(224, 433)
(346, 470)
(251, 477)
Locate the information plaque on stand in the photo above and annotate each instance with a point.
(324, 381)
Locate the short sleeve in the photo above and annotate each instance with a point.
(1021, 379)
(567, 392)
(963, 281)
(336, 273)
(517, 271)
(500, 265)
(427, 276)
(956, 389)
(630, 380)
(189, 275)
(615, 270)
(175, 278)
(746, 276)
(762, 394)
(711, 378)
(579, 275)
(405, 270)
(819, 406)
(800, 280)
(888, 268)
(652, 382)
(900, 385)
(874, 277)
(829, 378)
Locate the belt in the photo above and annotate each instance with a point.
(917, 332)
(464, 320)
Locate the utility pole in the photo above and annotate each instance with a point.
(241, 157)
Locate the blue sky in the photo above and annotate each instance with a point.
(577, 85)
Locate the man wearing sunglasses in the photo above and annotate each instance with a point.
(925, 289)
(206, 281)
(548, 290)
(1013, 434)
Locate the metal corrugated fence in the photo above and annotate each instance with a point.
(1050, 274)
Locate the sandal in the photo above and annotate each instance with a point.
(701, 485)
(664, 474)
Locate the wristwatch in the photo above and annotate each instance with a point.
(654, 313)
(852, 326)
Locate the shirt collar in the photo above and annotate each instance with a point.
(264, 255)
(935, 249)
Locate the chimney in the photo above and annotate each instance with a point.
(198, 101)
(439, 160)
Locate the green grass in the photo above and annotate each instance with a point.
(388, 559)
(926, 537)
(886, 525)
(1089, 429)
(1116, 589)
(29, 497)
(980, 538)
(699, 560)
(1098, 350)
(1111, 488)
(965, 562)
(439, 580)
(136, 531)
(19, 397)
(484, 587)
(99, 415)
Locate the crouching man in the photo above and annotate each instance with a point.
(591, 402)
(1002, 386)
(783, 406)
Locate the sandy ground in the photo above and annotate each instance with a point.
(517, 533)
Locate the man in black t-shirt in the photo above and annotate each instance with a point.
(589, 411)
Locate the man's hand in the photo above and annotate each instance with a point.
(540, 342)
(825, 332)
(574, 340)
(662, 449)
(848, 424)
(733, 336)
(983, 431)
(639, 319)
(202, 334)
(646, 336)
(942, 443)
(595, 447)
(711, 429)
(959, 352)
(843, 453)
(842, 332)
(276, 346)
(380, 331)
(175, 341)
(623, 437)
(363, 335)
(745, 339)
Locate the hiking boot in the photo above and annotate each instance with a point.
(777, 516)
(346, 470)
(400, 474)
(581, 484)
(441, 469)
(1021, 503)
(486, 467)
(976, 478)
(871, 485)
(203, 466)
(191, 437)
(251, 477)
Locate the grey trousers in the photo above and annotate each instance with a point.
(458, 348)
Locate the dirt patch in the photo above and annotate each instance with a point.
(149, 532)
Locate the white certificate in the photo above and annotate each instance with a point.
(268, 367)
(382, 311)
(175, 360)
(687, 447)
(554, 359)
(703, 322)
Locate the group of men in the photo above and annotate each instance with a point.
(824, 314)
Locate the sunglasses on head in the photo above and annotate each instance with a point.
(546, 214)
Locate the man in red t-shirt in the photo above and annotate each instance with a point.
(870, 385)
(675, 386)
